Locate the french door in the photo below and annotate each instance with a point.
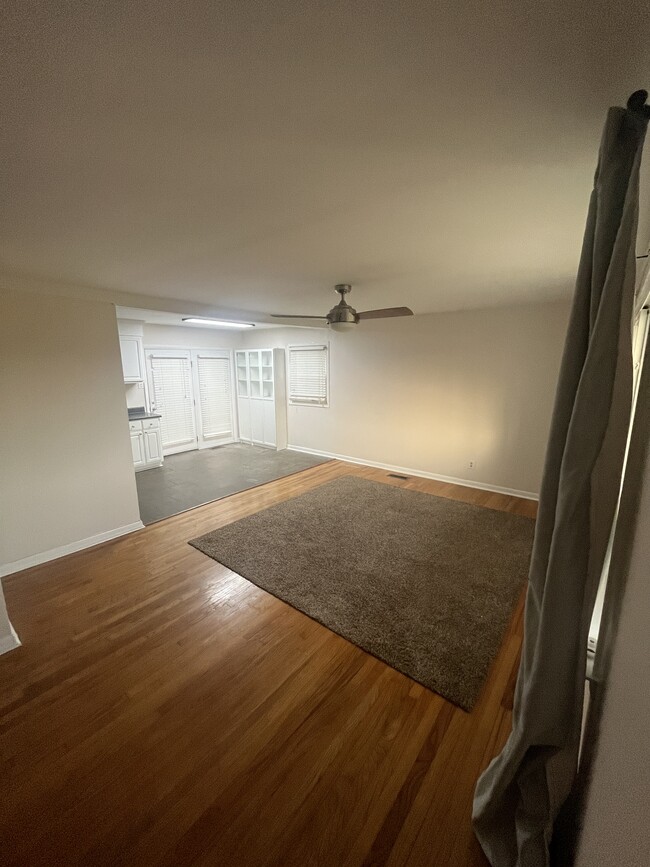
(172, 395)
(213, 389)
(193, 392)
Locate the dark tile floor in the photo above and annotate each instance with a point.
(191, 478)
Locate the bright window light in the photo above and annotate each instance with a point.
(216, 323)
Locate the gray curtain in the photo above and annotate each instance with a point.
(520, 794)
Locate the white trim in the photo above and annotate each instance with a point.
(55, 553)
(422, 474)
(215, 442)
(176, 450)
(9, 642)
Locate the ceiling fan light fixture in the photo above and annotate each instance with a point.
(342, 326)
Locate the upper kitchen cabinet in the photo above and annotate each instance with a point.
(132, 358)
(132, 350)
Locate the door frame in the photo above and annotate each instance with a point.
(640, 337)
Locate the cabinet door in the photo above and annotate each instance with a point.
(244, 407)
(255, 373)
(266, 357)
(152, 446)
(269, 423)
(257, 421)
(137, 448)
(280, 399)
(131, 351)
(241, 366)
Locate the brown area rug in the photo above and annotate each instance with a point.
(424, 583)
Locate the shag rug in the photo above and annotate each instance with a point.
(424, 583)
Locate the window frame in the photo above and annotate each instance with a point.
(292, 401)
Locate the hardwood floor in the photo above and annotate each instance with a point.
(163, 710)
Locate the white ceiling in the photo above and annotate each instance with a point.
(246, 156)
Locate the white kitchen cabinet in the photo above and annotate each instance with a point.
(152, 446)
(146, 443)
(261, 397)
(244, 420)
(269, 423)
(257, 422)
(132, 354)
(137, 448)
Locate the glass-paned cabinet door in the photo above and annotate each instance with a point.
(242, 374)
(255, 373)
(267, 373)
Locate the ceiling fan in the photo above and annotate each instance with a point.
(343, 317)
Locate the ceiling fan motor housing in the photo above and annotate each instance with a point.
(342, 312)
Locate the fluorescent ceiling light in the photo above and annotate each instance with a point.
(216, 323)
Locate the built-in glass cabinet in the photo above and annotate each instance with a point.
(261, 396)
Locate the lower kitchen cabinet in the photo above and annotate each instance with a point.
(146, 443)
(137, 445)
(152, 446)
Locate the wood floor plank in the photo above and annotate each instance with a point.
(163, 710)
(384, 841)
(446, 794)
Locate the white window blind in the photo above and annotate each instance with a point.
(215, 397)
(308, 375)
(172, 393)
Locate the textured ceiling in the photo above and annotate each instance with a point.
(249, 155)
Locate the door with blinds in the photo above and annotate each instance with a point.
(193, 392)
(213, 390)
(172, 395)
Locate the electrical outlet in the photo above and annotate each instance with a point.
(472, 465)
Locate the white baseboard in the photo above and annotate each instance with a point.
(55, 553)
(422, 474)
(9, 642)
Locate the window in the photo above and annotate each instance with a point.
(308, 375)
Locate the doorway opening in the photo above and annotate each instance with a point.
(207, 411)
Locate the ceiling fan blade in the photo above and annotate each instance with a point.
(295, 316)
(386, 313)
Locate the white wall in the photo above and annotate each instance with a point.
(433, 392)
(66, 473)
(135, 394)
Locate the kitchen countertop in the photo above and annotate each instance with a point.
(139, 413)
